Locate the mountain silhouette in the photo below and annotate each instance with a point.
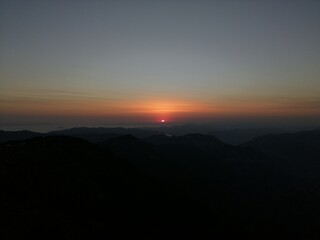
(70, 187)
(248, 187)
(17, 135)
(268, 187)
(100, 134)
(294, 145)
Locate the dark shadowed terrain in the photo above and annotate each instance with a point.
(149, 185)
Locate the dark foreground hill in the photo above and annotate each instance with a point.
(292, 146)
(60, 186)
(267, 188)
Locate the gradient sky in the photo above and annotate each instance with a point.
(138, 61)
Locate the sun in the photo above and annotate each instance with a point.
(162, 120)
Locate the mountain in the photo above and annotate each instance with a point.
(227, 135)
(293, 145)
(101, 134)
(248, 187)
(63, 186)
(194, 139)
(268, 187)
(299, 152)
(238, 136)
(93, 135)
(17, 135)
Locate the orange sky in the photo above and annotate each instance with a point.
(154, 110)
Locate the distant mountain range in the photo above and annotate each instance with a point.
(267, 187)
(232, 136)
(17, 135)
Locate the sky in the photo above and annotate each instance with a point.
(139, 62)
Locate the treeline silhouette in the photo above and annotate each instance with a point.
(153, 185)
